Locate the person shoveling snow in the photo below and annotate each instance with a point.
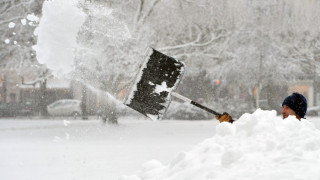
(293, 105)
(257, 146)
(296, 105)
(158, 78)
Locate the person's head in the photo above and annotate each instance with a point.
(295, 104)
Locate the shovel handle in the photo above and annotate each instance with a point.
(205, 108)
(209, 110)
(194, 103)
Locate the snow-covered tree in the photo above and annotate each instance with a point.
(18, 20)
(17, 23)
(245, 44)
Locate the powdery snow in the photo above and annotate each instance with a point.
(58, 29)
(33, 18)
(65, 149)
(106, 25)
(257, 146)
(7, 41)
(23, 21)
(11, 25)
(57, 34)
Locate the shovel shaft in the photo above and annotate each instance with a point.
(209, 110)
(179, 96)
(194, 103)
(205, 108)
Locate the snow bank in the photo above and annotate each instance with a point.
(257, 146)
(57, 34)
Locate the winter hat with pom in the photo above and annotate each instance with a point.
(297, 102)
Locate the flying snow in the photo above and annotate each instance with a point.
(57, 33)
(106, 24)
(11, 25)
(23, 21)
(33, 18)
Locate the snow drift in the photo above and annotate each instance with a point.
(257, 146)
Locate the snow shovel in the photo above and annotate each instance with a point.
(156, 80)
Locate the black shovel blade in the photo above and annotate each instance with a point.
(158, 76)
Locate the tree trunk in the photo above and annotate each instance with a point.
(4, 88)
(258, 97)
(43, 98)
(84, 103)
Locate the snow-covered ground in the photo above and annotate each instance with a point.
(144, 149)
(76, 149)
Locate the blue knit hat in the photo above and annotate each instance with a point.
(297, 102)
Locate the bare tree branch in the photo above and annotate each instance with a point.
(12, 19)
(34, 82)
(5, 10)
(147, 14)
(194, 43)
(139, 11)
(213, 56)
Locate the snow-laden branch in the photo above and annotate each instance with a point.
(141, 17)
(12, 19)
(139, 11)
(154, 3)
(4, 11)
(4, 8)
(305, 55)
(213, 56)
(34, 82)
(194, 43)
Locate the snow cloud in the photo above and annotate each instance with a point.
(11, 25)
(57, 34)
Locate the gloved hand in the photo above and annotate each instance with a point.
(224, 117)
